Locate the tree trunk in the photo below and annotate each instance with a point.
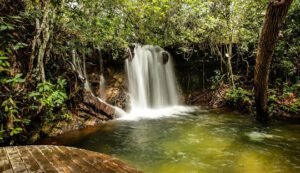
(276, 12)
(203, 74)
(41, 54)
(34, 43)
(229, 61)
(40, 41)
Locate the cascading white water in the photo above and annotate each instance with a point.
(151, 78)
(152, 85)
(102, 87)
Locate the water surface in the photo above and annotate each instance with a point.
(202, 141)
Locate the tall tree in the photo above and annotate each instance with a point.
(274, 18)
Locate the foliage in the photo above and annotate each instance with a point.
(11, 41)
(48, 101)
(3, 62)
(10, 112)
(240, 98)
(284, 100)
(13, 81)
(50, 98)
(287, 100)
(113, 25)
(10, 108)
(1, 134)
(217, 79)
(286, 55)
(15, 131)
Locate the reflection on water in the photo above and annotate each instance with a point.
(199, 142)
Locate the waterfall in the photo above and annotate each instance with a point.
(86, 83)
(101, 90)
(151, 78)
(102, 87)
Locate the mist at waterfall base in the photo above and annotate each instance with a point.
(152, 85)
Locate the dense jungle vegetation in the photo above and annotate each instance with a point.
(39, 39)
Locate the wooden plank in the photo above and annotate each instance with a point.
(78, 159)
(15, 160)
(109, 162)
(53, 159)
(21, 159)
(66, 161)
(5, 165)
(91, 161)
(42, 160)
(29, 160)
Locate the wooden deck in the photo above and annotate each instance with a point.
(53, 159)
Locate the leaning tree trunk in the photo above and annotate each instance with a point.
(89, 105)
(276, 12)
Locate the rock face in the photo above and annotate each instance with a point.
(90, 111)
(56, 159)
(116, 89)
(73, 124)
(87, 110)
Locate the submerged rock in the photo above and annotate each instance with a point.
(259, 136)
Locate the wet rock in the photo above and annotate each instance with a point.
(116, 89)
(120, 80)
(90, 122)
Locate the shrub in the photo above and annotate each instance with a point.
(50, 100)
(287, 100)
(239, 98)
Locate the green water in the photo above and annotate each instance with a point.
(203, 141)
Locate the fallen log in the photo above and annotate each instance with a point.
(85, 111)
(86, 103)
(100, 106)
